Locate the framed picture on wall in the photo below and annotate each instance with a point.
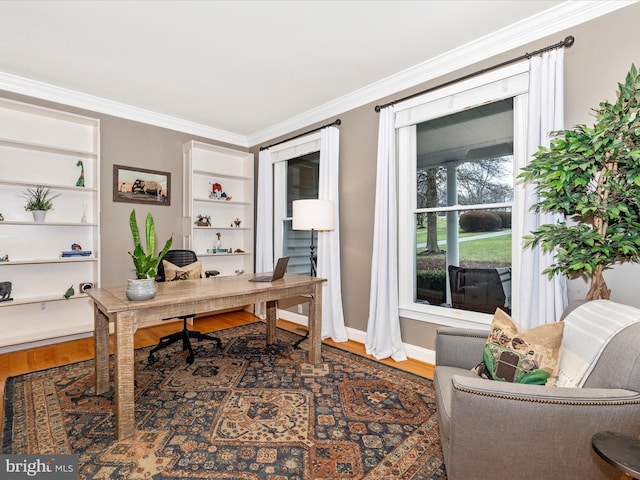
(141, 185)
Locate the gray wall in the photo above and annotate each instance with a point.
(600, 58)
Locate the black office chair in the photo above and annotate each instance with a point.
(480, 289)
(181, 258)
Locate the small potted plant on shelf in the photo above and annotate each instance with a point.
(143, 287)
(39, 201)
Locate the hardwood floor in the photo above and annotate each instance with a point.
(40, 358)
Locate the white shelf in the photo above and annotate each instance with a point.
(48, 224)
(43, 147)
(225, 203)
(46, 148)
(72, 188)
(43, 299)
(45, 261)
(196, 227)
(225, 176)
(234, 254)
(205, 164)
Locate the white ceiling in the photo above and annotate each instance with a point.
(246, 70)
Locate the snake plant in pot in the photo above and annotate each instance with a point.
(591, 175)
(143, 287)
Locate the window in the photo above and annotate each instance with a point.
(302, 183)
(295, 177)
(459, 151)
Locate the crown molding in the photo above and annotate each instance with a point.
(45, 91)
(561, 17)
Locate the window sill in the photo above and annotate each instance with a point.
(448, 317)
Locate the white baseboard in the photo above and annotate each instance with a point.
(44, 342)
(413, 351)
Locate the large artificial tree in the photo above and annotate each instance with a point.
(592, 176)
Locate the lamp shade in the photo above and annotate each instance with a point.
(313, 214)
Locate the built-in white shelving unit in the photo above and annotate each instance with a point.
(205, 168)
(42, 147)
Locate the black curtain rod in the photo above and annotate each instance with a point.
(567, 43)
(335, 122)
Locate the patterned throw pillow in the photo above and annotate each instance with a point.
(521, 356)
(188, 272)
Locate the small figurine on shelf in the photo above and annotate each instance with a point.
(238, 250)
(5, 292)
(80, 182)
(69, 293)
(237, 223)
(218, 244)
(83, 219)
(1, 218)
(203, 221)
(76, 246)
(216, 191)
(5, 258)
(239, 272)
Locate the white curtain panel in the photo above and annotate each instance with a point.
(541, 300)
(383, 328)
(329, 242)
(264, 221)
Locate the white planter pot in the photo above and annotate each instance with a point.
(38, 215)
(141, 289)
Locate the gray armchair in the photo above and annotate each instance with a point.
(498, 430)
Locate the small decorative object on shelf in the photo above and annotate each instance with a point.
(1, 218)
(69, 293)
(219, 241)
(216, 191)
(76, 251)
(39, 201)
(238, 250)
(203, 221)
(5, 292)
(5, 258)
(80, 182)
(83, 219)
(239, 272)
(236, 223)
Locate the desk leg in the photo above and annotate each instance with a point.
(271, 322)
(101, 346)
(124, 376)
(315, 326)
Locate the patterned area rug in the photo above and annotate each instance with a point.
(245, 412)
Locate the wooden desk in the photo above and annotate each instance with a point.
(182, 298)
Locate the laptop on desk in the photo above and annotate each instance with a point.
(277, 274)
